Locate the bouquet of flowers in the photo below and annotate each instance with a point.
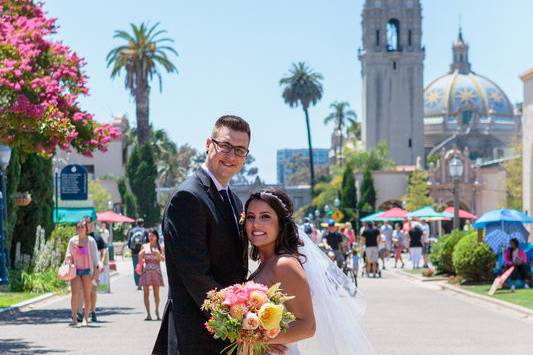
(247, 315)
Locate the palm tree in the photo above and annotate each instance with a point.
(303, 87)
(140, 58)
(342, 117)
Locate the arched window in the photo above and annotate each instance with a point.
(393, 35)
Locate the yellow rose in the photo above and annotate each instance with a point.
(270, 315)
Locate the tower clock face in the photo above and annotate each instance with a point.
(409, 3)
(377, 3)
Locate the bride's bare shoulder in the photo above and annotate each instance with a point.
(288, 267)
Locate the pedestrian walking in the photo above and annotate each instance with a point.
(398, 239)
(386, 232)
(151, 256)
(415, 245)
(83, 253)
(369, 239)
(425, 242)
(137, 236)
(101, 246)
(349, 233)
(104, 232)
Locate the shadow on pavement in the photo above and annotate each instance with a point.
(62, 315)
(19, 346)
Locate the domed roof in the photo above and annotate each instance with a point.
(454, 93)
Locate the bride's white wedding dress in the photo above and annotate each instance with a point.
(338, 307)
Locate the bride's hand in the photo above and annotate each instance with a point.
(277, 349)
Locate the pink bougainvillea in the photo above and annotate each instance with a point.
(40, 82)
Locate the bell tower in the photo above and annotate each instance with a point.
(392, 64)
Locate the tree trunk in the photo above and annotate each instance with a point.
(142, 111)
(340, 157)
(311, 163)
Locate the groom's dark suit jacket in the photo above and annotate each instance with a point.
(204, 250)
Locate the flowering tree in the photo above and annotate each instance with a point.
(40, 82)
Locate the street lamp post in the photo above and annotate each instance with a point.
(317, 218)
(456, 172)
(337, 202)
(5, 156)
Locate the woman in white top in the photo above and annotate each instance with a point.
(82, 252)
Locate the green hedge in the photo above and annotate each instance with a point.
(472, 259)
(63, 232)
(442, 251)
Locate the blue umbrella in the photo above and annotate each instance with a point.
(497, 240)
(502, 215)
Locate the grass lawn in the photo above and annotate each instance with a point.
(10, 298)
(521, 297)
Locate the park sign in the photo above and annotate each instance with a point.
(337, 215)
(73, 182)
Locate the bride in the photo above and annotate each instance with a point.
(327, 306)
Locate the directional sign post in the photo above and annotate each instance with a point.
(73, 182)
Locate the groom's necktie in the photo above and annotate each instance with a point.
(229, 206)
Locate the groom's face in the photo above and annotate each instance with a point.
(225, 165)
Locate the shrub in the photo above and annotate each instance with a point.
(472, 259)
(442, 251)
(42, 282)
(63, 233)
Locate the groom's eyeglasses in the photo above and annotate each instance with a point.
(225, 147)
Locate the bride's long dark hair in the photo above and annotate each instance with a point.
(288, 239)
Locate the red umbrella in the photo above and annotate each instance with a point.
(112, 217)
(462, 213)
(393, 213)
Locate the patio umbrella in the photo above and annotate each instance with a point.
(502, 215)
(462, 213)
(428, 214)
(394, 214)
(371, 217)
(113, 217)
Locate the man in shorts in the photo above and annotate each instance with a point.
(370, 240)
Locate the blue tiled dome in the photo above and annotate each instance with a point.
(450, 95)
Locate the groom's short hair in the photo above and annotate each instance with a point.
(232, 122)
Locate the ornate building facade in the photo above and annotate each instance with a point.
(465, 109)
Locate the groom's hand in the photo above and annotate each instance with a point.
(277, 349)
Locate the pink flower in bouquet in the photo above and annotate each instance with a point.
(235, 295)
(237, 311)
(252, 286)
(250, 321)
(272, 333)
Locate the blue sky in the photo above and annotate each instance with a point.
(232, 54)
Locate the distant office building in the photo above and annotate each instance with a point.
(287, 159)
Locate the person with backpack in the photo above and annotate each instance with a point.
(137, 236)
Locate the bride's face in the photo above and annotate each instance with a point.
(261, 225)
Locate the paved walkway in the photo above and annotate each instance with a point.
(120, 328)
(406, 316)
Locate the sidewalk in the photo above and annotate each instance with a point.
(120, 328)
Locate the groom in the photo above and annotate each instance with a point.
(203, 244)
